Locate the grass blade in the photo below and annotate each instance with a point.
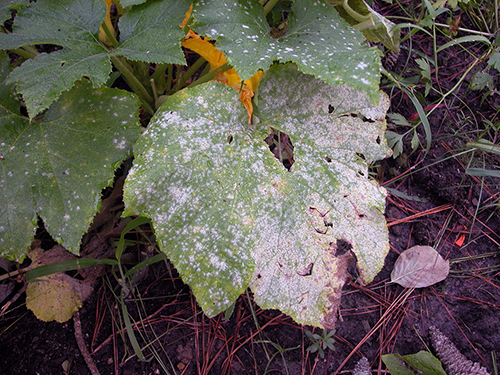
(65, 265)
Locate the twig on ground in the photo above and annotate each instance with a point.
(81, 344)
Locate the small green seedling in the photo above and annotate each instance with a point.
(321, 342)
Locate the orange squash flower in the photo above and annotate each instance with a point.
(102, 35)
(216, 59)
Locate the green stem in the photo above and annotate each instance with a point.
(269, 6)
(368, 24)
(210, 75)
(189, 73)
(134, 83)
(159, 72)
(109, 34)
(27, 52)
(153, 88)
(435, 53)
(170, 74)
(358, 17)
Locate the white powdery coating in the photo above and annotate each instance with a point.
(188, 180)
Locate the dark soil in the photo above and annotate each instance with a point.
(465, 307)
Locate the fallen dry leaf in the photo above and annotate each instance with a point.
(419, 267)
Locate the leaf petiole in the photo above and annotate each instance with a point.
(209, 76)
(134, 83)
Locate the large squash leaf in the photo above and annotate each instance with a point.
(150, 32)
(228, 213)
(318, 40)
(74, 25)
(55, 167)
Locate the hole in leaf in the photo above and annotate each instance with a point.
(378, 140)
(230, 138)
(342, 247)
(361, 156)
(352, 268)
(281, 146)
(360, 116)
(306, 271)
(331, 108)
(328, 159)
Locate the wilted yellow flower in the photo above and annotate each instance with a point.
(216, 59)
(102, 35)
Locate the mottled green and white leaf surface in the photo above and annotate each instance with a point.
(336, 132)
(318, 40)
(200, 188)
(56, 167)
(149, 33)
(229, 215)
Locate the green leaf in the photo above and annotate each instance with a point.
(481, 80)
(482, 172)
(494, 60)
(55, 167)
(43, 79)
(229, 215)
(151, 32)
(421, 363)
(318, 40)
(395, 141)
(65, 23)
(375, 27)
(127, 3)
(7, 5)
(485, 145)
(74, 25)
(199, 192)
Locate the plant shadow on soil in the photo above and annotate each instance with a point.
(465, 306)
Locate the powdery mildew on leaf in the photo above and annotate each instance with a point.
(336, 132)
(318, 40)
(229, 215)
(56, 167)
(197, 175)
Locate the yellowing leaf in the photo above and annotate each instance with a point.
(216, 59)
(420, 267)
(57, 296)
